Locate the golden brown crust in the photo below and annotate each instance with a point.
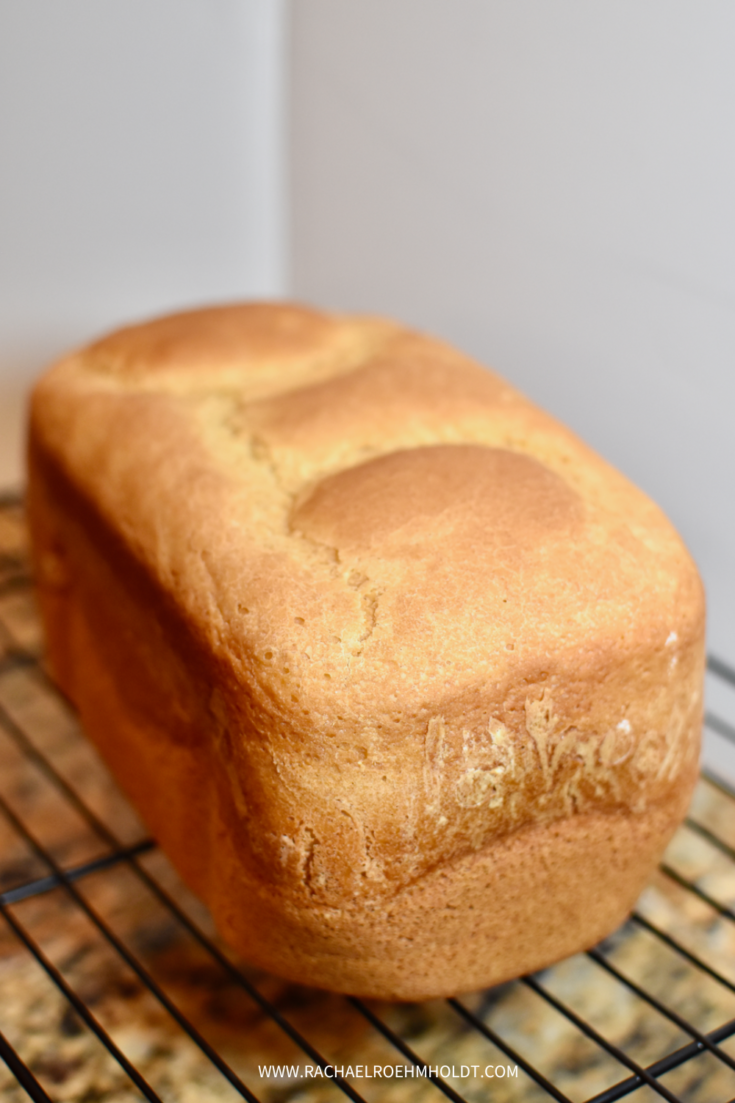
(364, 634)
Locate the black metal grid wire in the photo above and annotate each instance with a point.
(481, 1017)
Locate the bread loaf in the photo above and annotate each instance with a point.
(404, 678)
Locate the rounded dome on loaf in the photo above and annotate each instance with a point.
(483, 500)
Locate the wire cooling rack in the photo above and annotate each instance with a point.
(113, 985)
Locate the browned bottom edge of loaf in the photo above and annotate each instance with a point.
(524, 902)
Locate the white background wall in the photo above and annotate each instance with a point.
(141, 169)
(552, 187)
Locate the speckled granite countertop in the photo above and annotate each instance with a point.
(71, 1063)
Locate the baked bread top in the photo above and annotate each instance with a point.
(428, 613)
